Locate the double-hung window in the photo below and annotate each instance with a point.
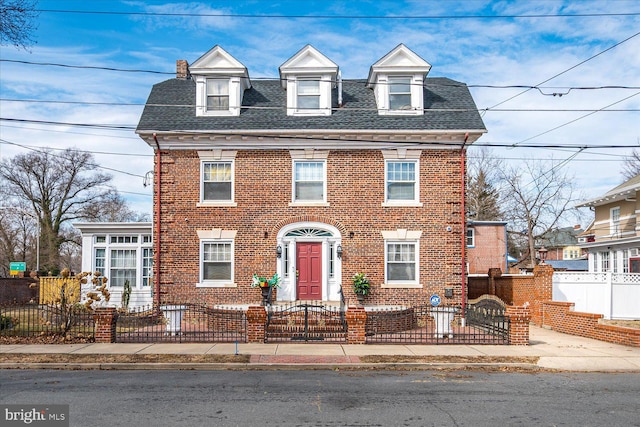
(401, 262)
(100, 260)
(309, 181)
(471, 237)
(217, 182)
(147, 266)
(308, 95)
(401, 181)
(123, 267)
(217, 261)
(217, 94)
(615, 222)
(399, 93)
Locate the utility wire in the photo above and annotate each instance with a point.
(371, 17)
(568, 69)
(4, 141)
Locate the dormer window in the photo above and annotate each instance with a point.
(220, 83)
(308, 94)
(217, 94)
(397, 80)
(399, 93)
(308, 77)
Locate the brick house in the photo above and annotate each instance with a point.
(309, 176)
(486, 246)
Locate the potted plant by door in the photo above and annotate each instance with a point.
(361, 286)
(266, 286)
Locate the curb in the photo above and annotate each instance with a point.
(273, 366)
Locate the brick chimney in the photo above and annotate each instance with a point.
(182, 69)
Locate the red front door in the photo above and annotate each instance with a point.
(309, 264)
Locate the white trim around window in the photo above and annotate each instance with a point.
(217, 178)
(309, 178)
(401, 178)
(471, 237)
(216, 261)
(401, 259)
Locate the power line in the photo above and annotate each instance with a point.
(569, 69)
(438, 144)
(346, 107)
(539, 87)
(368, 17)
(4, 141)
(576, 119)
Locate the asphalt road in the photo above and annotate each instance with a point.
(329, 398)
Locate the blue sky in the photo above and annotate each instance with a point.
(476, 50)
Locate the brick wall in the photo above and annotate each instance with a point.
(355, 190)
(561, 317)
(489, 250)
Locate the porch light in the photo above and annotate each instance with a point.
(542, 253)
(279, 251)
(339, 251)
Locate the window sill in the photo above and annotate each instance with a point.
(216, 285)
(416, 112)
(224, 204)
(401, 286)
(323, 204)
(407, 204)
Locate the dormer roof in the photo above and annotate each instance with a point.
(400, 60)
(218, 61)
(306, 61)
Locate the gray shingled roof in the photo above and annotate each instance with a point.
(171, 107)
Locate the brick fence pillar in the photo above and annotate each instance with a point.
(105, 319)
(256, 321)
(356, 321)
(542, 290)
(493, 273)
(519, 318)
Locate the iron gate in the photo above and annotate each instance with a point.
(419, 325)
(181, 323)
(305, 321)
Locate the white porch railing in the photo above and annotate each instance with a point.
(614, 295)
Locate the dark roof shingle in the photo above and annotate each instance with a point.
(171, 107)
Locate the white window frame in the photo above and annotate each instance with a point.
(305, 156)
(204, 182)
(216, 236)
(114, 281)
(402, 156)
(472, 237)
(625, 260)
(402, 237)
(416, 189)
(614, 225)
(221, 157)
(147, 266)
(317, 95)
(396, 81)
(604, 264)
(210, 83)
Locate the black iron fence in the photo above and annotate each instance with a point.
(304, 322)
(31, 320)
(182, 323)
(436, 325)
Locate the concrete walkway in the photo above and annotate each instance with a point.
(548, 350)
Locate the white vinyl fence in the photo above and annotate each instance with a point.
(614, 295)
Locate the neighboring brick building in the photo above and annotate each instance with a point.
(309, 176)
(486, 246)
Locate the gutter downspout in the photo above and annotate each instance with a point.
(464, 231)
(157, 181)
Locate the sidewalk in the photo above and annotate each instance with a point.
(547, 350)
